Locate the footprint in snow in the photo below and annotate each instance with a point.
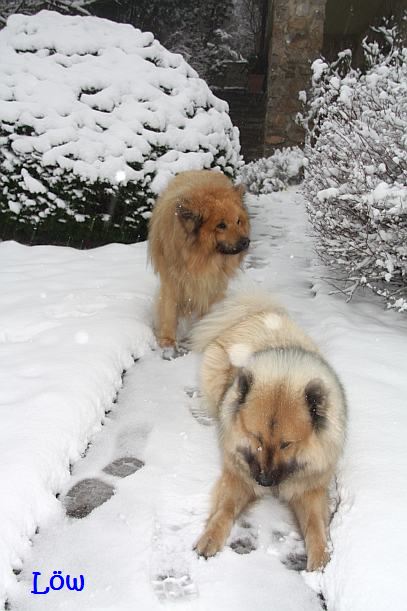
(243, 538)
(253, 262)
(289, 547)
(197, 407)
(85, 496)
(170, 571)
(133, 439)
(173, 586)
(92, 492)
(123, 467)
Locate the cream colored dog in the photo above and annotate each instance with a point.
(281, 412)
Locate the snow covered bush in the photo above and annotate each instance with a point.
(207, 34)
(95, 117)
(356, 168)
(283, 168)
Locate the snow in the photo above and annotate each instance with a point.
(71, 321)
(59, 370)
(345, 95)
(32, 184)
(318, 68)
(329, 193)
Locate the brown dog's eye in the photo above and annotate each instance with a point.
(221, 225)
(285, 444)
(239, 222)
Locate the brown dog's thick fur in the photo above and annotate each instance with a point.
(198, 236)
(282, 417)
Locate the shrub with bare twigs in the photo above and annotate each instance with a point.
(356, 168)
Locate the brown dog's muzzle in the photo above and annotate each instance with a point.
(233, 249)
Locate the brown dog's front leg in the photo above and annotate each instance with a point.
(167, 318)
(230, 497)
(311, 510)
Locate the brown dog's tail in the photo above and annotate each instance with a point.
(228, 313)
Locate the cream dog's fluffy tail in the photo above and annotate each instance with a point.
(228, 313)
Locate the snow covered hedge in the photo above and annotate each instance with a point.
(283, 168)
(356, 170)
(95, 117)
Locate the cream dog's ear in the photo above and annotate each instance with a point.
(316, 397)
(236, 394)
(244, 382)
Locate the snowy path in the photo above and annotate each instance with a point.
(144, 533)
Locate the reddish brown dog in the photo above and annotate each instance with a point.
(198, 236)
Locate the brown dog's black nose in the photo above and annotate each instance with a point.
(243, 243)
(233, 249)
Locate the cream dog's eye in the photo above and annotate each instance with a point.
(221, 225)
(285, 444)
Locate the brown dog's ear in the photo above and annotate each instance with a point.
(190, 220)
(316, 399)
(240, 190)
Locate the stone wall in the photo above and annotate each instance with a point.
(297, 29)
(297, 32)
(247, 111)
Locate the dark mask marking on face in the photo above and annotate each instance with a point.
(272, 476)
(251, 461)
(275, 476)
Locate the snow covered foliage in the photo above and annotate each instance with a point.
(201, 32)
(356, 168)
(283, 168)
(207, 34)
(95, 117)
(29, 7)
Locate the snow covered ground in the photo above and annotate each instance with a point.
(70, 322)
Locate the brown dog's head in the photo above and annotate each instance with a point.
(216, 219)
(282, 416)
